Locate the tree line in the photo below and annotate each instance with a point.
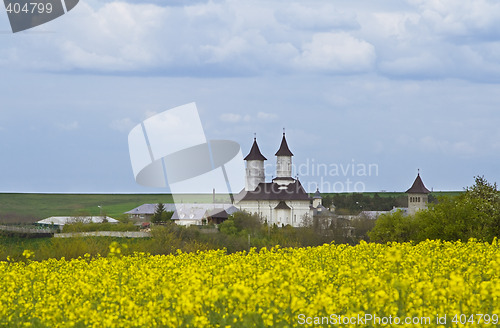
(354, 203)
(472, 214)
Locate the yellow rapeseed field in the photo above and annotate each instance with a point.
(432, 284)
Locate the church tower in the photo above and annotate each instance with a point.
(317, 199)
(283, 165)
(255, 173)
(284, 160)
(417, 196)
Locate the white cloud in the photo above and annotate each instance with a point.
(461, 18)
(419, 65)
(230, 118)
(148, 113)
(337, 52)
(322, 16)
(122, 125)
(414, 40)
(266, 116)
(68, 126)
(235, 118)
(456, 148)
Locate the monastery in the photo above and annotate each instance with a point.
(283, 201)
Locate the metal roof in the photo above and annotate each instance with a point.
(171, 207)
(201, 211)
(62, 220)
(151, 208)
(317, 194)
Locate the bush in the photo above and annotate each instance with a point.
(87, 227)
(473, 214)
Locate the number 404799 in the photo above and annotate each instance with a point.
(29, 8)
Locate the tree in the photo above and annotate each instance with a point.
(393, 227)
(161, 215)
(160, 208)
(473, 214)
(241, 223)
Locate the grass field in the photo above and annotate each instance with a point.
(397, 194)
(29, 208)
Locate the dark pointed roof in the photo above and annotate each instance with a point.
(255, 154)
(272, 191)
(284, 150)
(282, 206)
(418, 187)
(317, 194)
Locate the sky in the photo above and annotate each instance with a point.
(369, 92)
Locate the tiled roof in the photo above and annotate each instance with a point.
(284, 150)
(418, 187)
(271, 191)
(282, 206)
(255, 154)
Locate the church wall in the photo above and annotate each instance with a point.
(265, 209)
(254, 174)
(283, 166)
(316, 202)
(417, 202)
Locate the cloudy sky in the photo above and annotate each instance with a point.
(393, 85)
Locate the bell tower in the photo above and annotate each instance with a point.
(417, 196)
(284, 160)
(255, 173)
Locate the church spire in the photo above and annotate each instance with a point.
(284, 150)
(255, 172)
(284, 160)
(417, 196)
(418, 186)
(255, 154)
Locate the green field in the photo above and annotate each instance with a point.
(28, 208)
(397, 194)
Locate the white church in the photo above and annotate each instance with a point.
(283, 201)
